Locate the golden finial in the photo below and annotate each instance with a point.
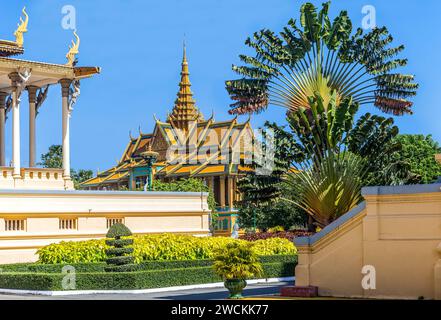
(73, 50)
(22, 28)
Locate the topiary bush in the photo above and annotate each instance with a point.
(119, 258)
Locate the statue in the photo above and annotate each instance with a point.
(41, 96)
(25, 75)
(22, 28)
(235, 233)
(73, 51)
(74, 93)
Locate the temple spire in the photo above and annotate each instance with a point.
(185, 110)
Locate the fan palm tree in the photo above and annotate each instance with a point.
(329, 188)
(321, 56)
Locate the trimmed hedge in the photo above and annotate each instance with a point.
(160, 274)
(144, 266)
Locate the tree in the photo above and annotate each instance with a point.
(340, 157)
(80, 176)
(419, 151)
(328, 188)
(321, 128)
(261, 206)
(54, 159)
(275, 213)
(321, 57)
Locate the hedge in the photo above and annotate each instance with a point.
(144, 266)
(156, 247)
(160, 275)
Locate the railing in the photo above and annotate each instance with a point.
(32, 178)
(6, 179)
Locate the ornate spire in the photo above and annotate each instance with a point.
(184, 110)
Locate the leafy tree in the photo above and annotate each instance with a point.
(275, 213)
(80, 176)
(321, 57)
(419, 151)
(321, 128)
(54, 159)
(261, 206)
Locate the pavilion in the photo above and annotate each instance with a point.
(17, 76)
(188, 146)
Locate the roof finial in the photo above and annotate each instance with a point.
(184, 110)
(22, 28)
(73, 51)
(184, 55)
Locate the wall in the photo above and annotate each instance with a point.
(142, 212)
(397, 230)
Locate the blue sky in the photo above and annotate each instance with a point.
(138, 44)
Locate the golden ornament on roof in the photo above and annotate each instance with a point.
(22, 28)
(73, 50)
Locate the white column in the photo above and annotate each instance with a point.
(65, 84)
(15, 79)
(32, 90)
(3, 96)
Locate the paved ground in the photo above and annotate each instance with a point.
(195, 294)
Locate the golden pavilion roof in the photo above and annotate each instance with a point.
(42, 73)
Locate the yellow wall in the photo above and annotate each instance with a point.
(397, 231)
(142, 212)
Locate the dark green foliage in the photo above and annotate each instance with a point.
(78, 177)
(119, 243)
(277, 213)
(188, 185)
(149, 275)
(321, 129)
(320, 54)
(118, 257)
(261, 205)
(144, 266)
(54, 159)
(419, 152)
(117, 231)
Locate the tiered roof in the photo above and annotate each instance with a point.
(185, 129)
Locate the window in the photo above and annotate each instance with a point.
(15, 224)
(112, 221)
(68, 224)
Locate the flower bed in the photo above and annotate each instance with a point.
(289, 235)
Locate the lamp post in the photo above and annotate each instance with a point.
(150, 158)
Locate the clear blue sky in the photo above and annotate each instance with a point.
(138, 44)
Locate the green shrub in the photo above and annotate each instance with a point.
(117, 231)
(156, 248)
(238, 260)
(119, 258)
(276, 229)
